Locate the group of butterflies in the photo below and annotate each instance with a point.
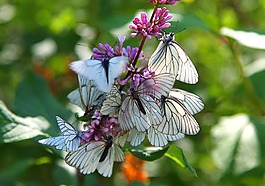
(153, 108)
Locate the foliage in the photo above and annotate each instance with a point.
(36, 47)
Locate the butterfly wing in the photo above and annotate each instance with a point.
(135, 137)
(175, 137)
(170, 57)
(117, 66)
(112, 102)
(86, 157)
(92, 69)
(157, 138)
(71, 137)
(157, 85)
(177, 118)
(130, 114)
(192, 102)
(57, 142)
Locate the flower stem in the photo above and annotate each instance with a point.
(143, 40)
(140, 47)
(246, 82)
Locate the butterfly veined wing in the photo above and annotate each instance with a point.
(112, 102)
(132, 115)
(86, 157)
(192, 102)
(156, 138)
(177, 119)
(70, 140)
(135, 137)
(175, 137)
(102, 72)
(139, 109)
(157, 85)
(57, 142)
(115, 154)
(170, 57)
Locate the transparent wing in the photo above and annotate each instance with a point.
(135, 137)
(70, 140)
(130, 115)
(86, 157)
(121, 138)
(57, 142)
(170, 57)
(112, 102)
(175, 137)
(117, 66)
(71, 137)
(177, 119)
(192, 102)
(157, 85)
(157, 138)
(92, 70)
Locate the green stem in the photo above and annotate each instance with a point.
(246, 82)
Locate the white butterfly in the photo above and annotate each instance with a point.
(170, 57)
(155, 137)
(177, 110)
(70, 140)
(87, 96)
(112, 102)
(192, 102)
(94, 155)
(139, 109)
(102, 72)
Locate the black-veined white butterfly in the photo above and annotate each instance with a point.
(70, 140)
(170, 57)
(155, 137)
(87, 96)
(102, 72)
(177, 118)
(139, 109)
(96, 155)
(192, 102)
(112, 102)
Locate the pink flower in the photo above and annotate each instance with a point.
(160, 2)
(145, 28)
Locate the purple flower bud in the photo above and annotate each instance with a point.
(160, 2)
(145, 28)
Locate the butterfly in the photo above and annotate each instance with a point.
(170, 57)
(139, 108)
(70, 140)
(103, 72)
(155, 137)
(87, 96)
(112, 102)
(96, 155)
(178, 109)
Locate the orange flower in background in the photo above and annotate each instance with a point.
(133, 169)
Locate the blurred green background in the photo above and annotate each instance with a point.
(38, 39)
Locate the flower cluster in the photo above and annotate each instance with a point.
(148, 28)
(160, 2)
(127, 97)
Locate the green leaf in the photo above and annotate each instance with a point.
(33, 98)
(237, 141)
(14, 128)
(176, 154)
(148, 153)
